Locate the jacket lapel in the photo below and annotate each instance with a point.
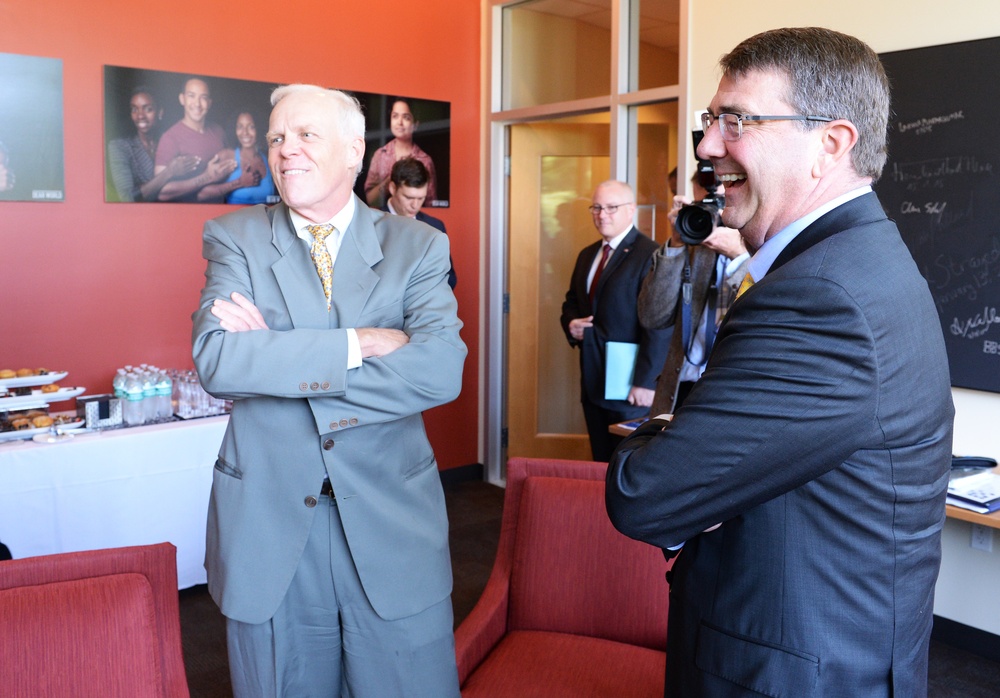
(353, 277)
(295, 274)
(616, 260)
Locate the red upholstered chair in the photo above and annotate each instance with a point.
(96, 623)
(572, 607)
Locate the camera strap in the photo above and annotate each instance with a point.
(688, 328)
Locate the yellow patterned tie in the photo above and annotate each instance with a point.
(747, 283)
(321, 257)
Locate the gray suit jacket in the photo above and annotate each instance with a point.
(299, 413)
(660, 307)
(820, 437)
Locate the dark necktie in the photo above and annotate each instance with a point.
(605, 251)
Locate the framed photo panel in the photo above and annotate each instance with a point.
(31, 129)
(174, 137)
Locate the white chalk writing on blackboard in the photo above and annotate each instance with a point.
(953, 279)
(977, 325)
(935, 209)
(926, 125)
(938, 168)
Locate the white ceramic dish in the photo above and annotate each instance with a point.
(32, 380)
(24, 402)
(40, 435)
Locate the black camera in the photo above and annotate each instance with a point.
(696, 221)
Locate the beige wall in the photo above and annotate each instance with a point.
(966, 590)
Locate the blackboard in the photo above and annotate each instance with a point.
(941, 187)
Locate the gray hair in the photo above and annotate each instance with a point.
(829, 74)
(347, 112)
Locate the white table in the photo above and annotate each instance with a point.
(111, 489)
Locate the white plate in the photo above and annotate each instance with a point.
(49, 377)
(22, 402)
(50, 438)
(33, 433)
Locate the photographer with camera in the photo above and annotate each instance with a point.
(693, 280)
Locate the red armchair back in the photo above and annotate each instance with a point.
(95, 623)
(572, 607)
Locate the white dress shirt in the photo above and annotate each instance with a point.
(340, 221)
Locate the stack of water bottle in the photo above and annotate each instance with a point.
(150, 394)
(192, 400)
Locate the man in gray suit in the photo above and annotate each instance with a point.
(327, 541)
(804, 477)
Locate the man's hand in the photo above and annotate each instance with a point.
(675, 237)
(576, 327)
(640, 397)
(218, 169)
(240, 315)
(379, 341)
(182, 165)
(726, 241)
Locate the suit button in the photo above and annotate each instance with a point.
(303, 386)
(343, 422)
(328, 444)
(333, 426)
(311, 501)
(354, 421)
(325, 385)
(314, 386)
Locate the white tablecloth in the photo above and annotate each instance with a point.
(117, 488)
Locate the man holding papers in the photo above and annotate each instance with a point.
(600, 308)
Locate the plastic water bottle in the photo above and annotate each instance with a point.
(148, 397)
(132, 411)
(164, 391)
(118, 384)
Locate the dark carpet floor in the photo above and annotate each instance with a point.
(474, 510)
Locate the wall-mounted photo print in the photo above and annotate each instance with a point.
(31, 128)
(398, 127)
(173, 137)
(185, 138)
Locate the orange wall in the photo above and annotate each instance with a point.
(89, 286)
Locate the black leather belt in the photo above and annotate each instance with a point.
(327, 489)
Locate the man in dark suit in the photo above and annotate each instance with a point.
(331, 327)
(600, 307)
(804, 477)
(408, 181)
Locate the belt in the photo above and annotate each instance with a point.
(327, 489)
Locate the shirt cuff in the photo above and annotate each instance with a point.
(353, 349)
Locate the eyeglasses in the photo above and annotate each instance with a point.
(610, 210)
(731, 125)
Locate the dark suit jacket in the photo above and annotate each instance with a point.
(615, 318)
(437, 224)
(820, 437)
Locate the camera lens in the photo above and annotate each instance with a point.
(695, 222)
